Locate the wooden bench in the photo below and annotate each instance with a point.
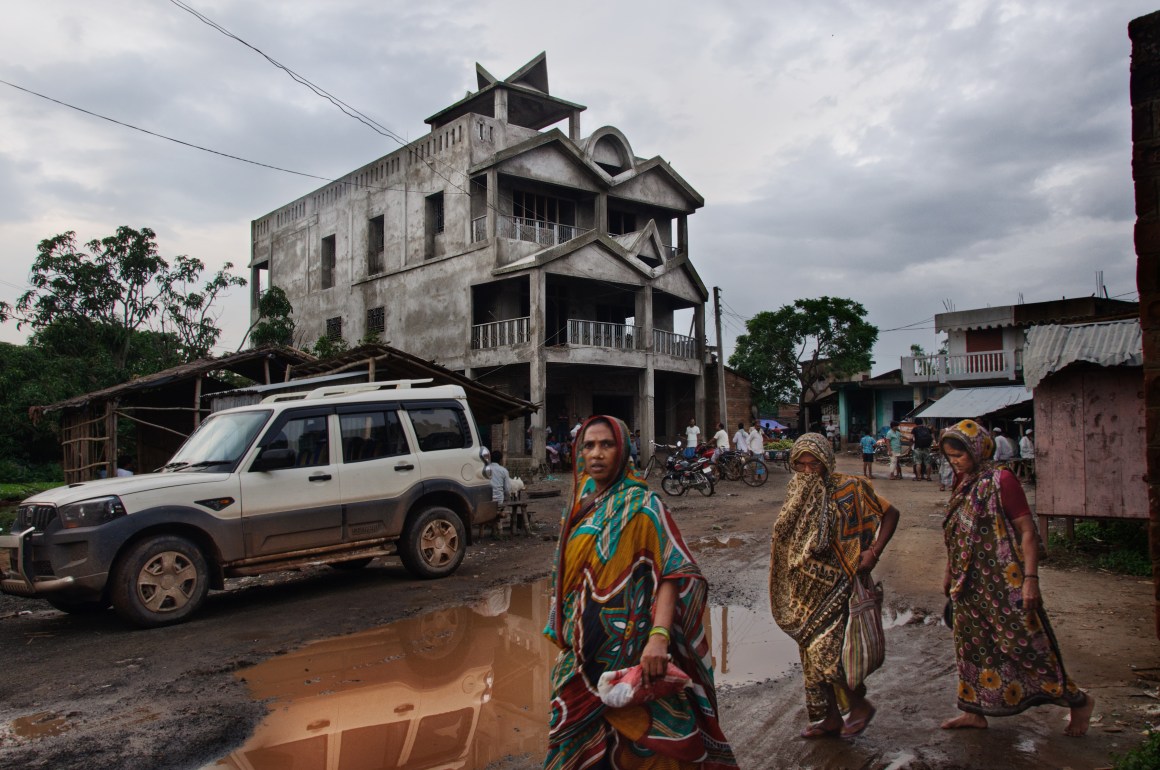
(514, 516)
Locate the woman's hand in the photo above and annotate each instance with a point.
(947, 583)
(1032, 600)
(654, 661)
(868, 561)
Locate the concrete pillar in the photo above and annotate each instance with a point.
(1145, 95)
(683, 233)
(501, 105)
(492, 202)
(646, 381)
(574, 126)
(601, 223)
(699, 382)
(537, 366)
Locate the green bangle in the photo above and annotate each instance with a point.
(661, 631)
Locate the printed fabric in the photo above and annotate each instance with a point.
(826, 522)
(1008, 659)
(614, 551)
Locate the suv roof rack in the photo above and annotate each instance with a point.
(329, 391)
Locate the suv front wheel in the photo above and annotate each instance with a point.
(160, 580)
(433, 543)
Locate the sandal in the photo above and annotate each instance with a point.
(850, 729)
(817, 731)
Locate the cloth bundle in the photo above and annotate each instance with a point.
(865, 644)
(625, 687)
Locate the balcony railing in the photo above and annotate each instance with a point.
(671, 344)
(597, 334)
(962, 367)
(499, 334)
(479, 229)
(536, 231)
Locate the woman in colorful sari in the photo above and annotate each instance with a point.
(1007, 656)
(831, 531)
(627, 592)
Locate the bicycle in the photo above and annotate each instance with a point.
(754, 472)
(730, 465)
(654, 460)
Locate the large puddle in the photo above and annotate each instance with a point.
(457, 688)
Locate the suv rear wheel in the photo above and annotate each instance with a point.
(160, 580)
(433, 544)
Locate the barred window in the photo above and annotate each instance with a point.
(328, 261)
(334, 328)
(376, 320)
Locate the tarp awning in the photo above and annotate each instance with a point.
(970, 403)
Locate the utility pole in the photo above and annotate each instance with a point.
(720, 357)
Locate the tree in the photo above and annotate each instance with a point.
(785, 351)
(275, 324)
(117, 286)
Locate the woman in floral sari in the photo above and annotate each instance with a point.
(626, 591)
(1007, 656)
(830, 532)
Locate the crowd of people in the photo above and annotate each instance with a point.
(628, 599)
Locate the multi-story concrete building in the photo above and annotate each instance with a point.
(533, 258)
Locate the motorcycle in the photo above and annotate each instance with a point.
(682, 474)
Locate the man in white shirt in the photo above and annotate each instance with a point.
(1027, 446)
(721, 439)
(756, 442)
(1004, 450)
(692, 434)
(741, 439)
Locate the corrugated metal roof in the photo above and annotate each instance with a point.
(972, 403)
(1052, 347)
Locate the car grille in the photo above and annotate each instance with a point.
(38, 516)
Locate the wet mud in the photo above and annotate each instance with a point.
(317, 669)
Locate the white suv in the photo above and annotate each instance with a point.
(336, 475)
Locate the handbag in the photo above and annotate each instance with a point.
(864, 648)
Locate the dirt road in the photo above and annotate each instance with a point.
(86, 692)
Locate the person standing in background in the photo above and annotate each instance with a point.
(894, 441)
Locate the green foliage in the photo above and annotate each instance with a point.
(107, 291)
(371, 338)
(1146, 756)
(275, 324)
(329, 347)
(1115, 546)
(784, 351)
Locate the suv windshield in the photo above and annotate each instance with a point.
(219, 441)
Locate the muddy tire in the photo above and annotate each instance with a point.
(755, 473)
(352, 565)
(433, 543)
(78, 606)
(159, 581)
(704, 484)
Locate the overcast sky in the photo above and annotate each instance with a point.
(907, 155)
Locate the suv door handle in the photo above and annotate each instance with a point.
(405, 467)
(320, 477)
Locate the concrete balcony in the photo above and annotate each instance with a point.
(499, 334)
(989, 366)
(603, 335)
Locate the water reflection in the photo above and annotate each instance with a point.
(457, 688)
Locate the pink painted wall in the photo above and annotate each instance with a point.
(1089, 444)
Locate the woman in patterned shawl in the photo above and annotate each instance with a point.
(1007, 656)
(626, 591)
(830, 532)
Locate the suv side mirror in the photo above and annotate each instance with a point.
(273, 459)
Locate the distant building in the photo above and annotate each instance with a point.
(546, 263)
(985, 346)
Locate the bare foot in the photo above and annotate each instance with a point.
(826, 728)
(965, 720)
(1080, 717)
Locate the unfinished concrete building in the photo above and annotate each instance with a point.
(508, 246)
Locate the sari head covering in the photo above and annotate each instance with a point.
(817, 445)
(980, 446)
(616, 547)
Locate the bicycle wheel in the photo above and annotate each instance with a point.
(755, 473)
(648, 467)
(672, 485)
(703, 483)
(731, 468)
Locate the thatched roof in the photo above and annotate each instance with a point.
(252, 364)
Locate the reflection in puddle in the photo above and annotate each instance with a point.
(457, 688)
(748, 646)
(41, 725)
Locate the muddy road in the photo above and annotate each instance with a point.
(326, 651)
